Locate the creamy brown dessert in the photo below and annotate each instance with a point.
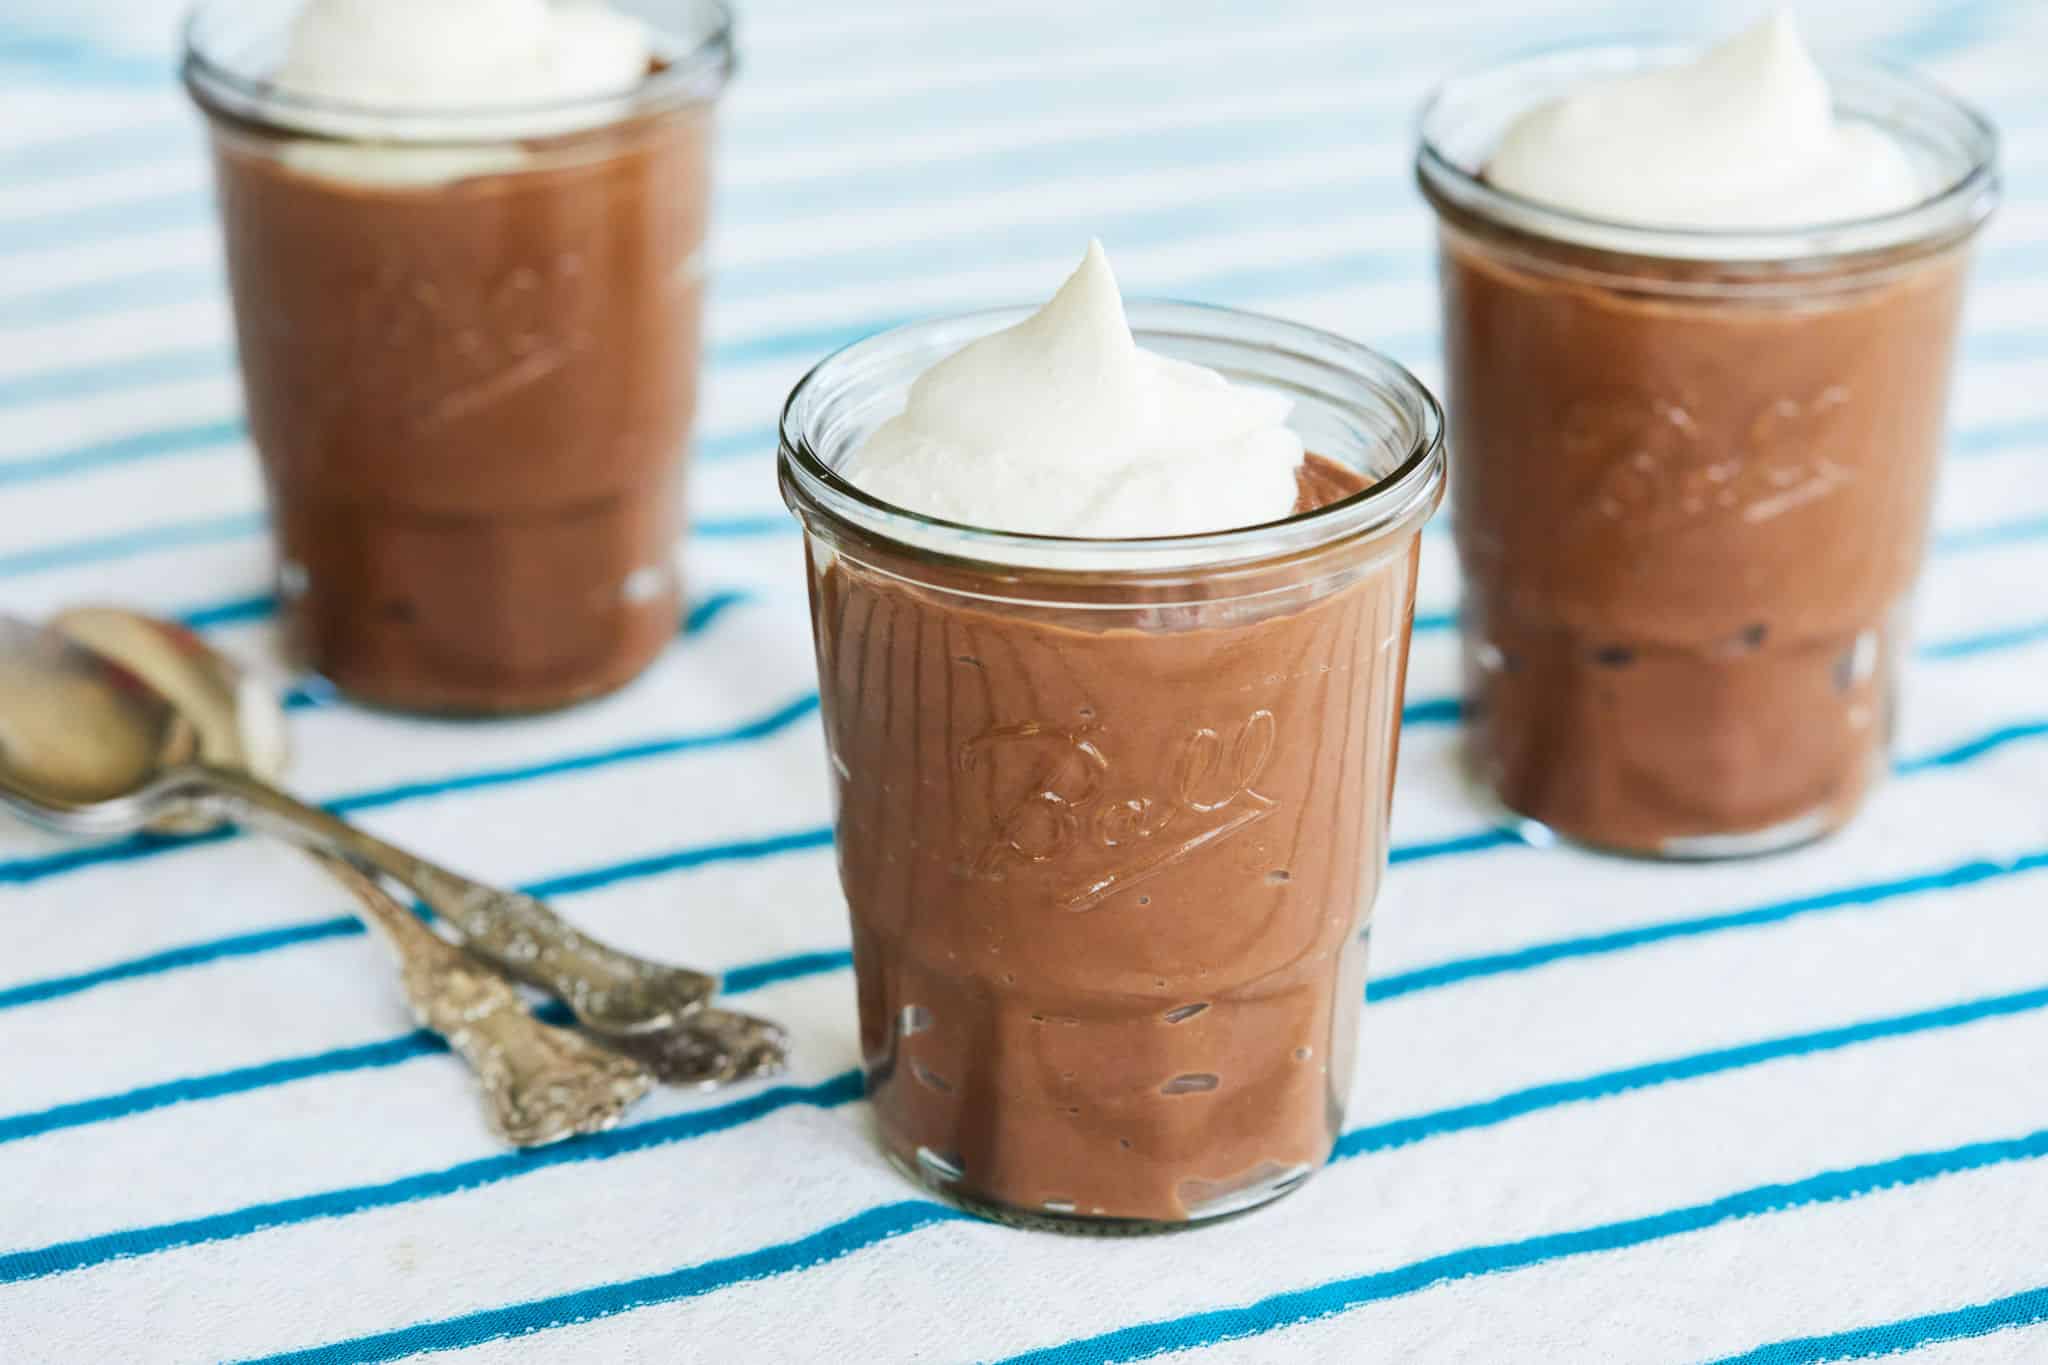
(1687, 530)
(1112, 813)
(470, 371)
(1696, 464)
(1110, 887)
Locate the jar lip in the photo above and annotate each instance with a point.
(696, 63)
(1407, 492)
(1957, 206)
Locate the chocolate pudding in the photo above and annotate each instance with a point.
(471, 374)
(1696, 468)
(1688, 529)
(1110, 843)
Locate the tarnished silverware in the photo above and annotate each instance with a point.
(540, 1083)
(196, 745)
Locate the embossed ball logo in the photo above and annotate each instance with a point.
(488, 339)
(1049, 795)
(1656, 471)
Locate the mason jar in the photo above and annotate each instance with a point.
(1695, 476)
(1112, 814)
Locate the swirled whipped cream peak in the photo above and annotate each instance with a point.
(1742, 137)
(1063, 425)
(461, 54)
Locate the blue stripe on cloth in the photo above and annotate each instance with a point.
(706, 610)
(1195, 1330)
(155, 211)
(2025, 1309)
(1991, 346)
(727, 528)
(1358, 1142)
(343, 926)
(1973, 749)
(822, 1247)
(129, 371)
(65, 56)
(229, 434)
(1433, 711)
(57, 1259)
(1972, 873)
(1953, 647)
(1964, 539)
(232, 612)
(751, 442)
(240, 1080)
(243, 945)
(122, 450)
(1995, 437)
(100, 149)
(1190, 1331)
(125, 544)
(152, 287)
(1382, 1137)
(236, 611)
(241, 526)
(173, 959)
(1476, 842)
(336, 1061)
(1985, 642)
(740, 980)
(21, 871)
(575, 883)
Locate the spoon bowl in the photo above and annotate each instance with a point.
(86, 746)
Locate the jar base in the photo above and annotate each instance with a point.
(1783, 837)
(1077, 1224)
(459, 706)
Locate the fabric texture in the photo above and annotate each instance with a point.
(1786, 1110)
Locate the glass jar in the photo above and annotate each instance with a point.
(1696, 471)
(1112, 814)
(469, 346)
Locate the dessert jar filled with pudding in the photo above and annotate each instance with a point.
(1699, 320)
(1111, 673)
(465, 249)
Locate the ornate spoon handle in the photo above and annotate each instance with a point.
(540, 1083)
(610, 991)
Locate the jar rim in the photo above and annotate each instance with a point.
(697, 59)
(1406, 493)
(1872, 91)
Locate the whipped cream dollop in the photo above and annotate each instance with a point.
(1063, 425)
(1743, 137)
(461, 54)
(477, 76)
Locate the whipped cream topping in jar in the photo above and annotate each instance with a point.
(1064, 425)
(1744, 135)
(1700, 308)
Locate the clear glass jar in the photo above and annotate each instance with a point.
(469, 344)
(1696, 471)
(1112, 814)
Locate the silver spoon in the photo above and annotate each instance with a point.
(540, 1083)
(238, 724)
(87, 748)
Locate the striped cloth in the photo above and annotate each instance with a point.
(1786, 1110)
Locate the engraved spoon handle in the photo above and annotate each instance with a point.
(609, 991)
(540, 1083)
